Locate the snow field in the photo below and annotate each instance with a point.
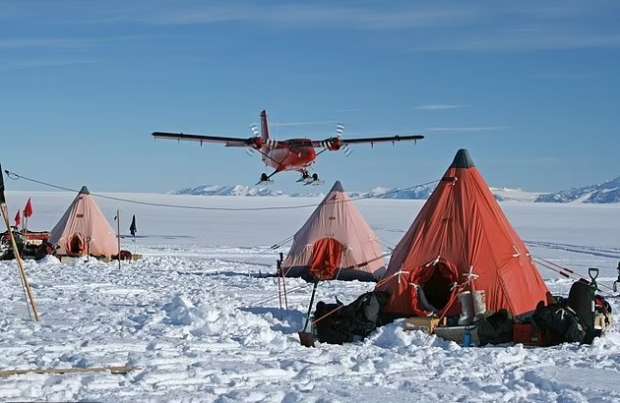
(193, 329)
(188, 317)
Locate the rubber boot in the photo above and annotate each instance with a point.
(467, 308)
(480, 304)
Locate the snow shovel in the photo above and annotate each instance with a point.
(306, 337)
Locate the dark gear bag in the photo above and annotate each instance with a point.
(495, 329)
(354, 321)
(560, 322)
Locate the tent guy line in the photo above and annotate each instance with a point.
(15, 176)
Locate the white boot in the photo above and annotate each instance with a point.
(467, 308)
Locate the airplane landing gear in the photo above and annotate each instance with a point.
(313, 179)
(265, 179)
(304, 176)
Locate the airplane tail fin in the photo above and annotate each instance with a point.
(264, 126)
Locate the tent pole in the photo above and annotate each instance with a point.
(283, 281)
(316, 283)
(118, 236)
(20, 263)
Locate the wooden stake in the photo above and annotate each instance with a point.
(283, 281)
(20, 264)
(118, 370)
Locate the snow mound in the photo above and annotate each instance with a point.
(49, 260)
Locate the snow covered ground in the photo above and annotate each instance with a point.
(196, 324)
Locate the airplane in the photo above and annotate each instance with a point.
(286, 155)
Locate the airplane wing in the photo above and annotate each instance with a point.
(335, 143)
(227, 141)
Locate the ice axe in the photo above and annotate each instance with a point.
(306, 337)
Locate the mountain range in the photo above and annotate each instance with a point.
(607, 192)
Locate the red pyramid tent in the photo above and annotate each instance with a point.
(335, 243)
(84, 230)
(461, 236)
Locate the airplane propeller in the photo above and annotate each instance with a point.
(339, 131)
(254, 130)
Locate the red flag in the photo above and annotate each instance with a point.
(18, 219)
(28, 209)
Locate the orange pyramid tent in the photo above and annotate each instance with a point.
(461, 240)
(83, 230)
(335, 243)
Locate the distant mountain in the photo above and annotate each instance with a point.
(417, 193)
(608, 192)
(227, 190)
(380, 192)
(507, 194)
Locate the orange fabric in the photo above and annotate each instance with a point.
(337, 218)
(325, 261)
(464, 227)
(84, 219)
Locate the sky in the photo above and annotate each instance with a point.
(530, 88)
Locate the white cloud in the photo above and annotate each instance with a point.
(439, 107)
(309, 16)
(466, 129)
(32, 64)
(308, 123)
(18, 43)
(524, 42)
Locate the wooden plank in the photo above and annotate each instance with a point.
(427, 325)
(114, 370)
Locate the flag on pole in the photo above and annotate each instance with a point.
(18, 219)
(28, 209)
(2, 199)
(133, 228)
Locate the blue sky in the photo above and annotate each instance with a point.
(531, 88)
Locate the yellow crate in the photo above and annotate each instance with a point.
(427, 325)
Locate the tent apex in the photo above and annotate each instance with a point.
(337, 187)
(84, 190)
(462, 159)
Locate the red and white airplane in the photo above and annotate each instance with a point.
(286, 155)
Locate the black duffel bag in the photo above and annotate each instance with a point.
(351, 322)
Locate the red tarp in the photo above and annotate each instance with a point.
(325, 260)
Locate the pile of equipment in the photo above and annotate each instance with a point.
(462, 272)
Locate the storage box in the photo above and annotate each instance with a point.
(427, 325)
(527, 334)
(457, 334)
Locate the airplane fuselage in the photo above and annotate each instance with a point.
(289, 155)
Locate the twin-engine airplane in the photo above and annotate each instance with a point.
(285, 155)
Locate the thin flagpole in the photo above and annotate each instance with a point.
(118, 236)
